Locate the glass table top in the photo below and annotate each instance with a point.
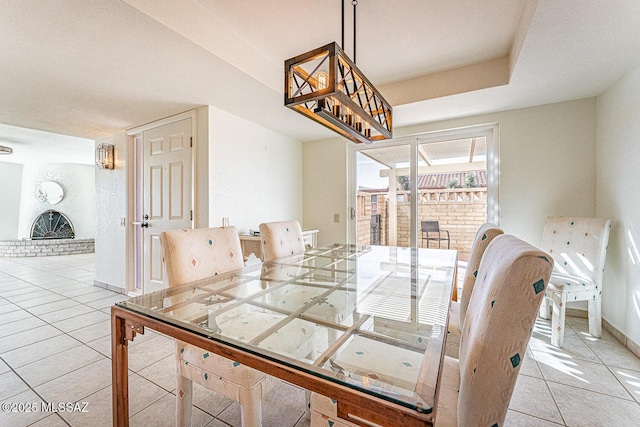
(369, 317)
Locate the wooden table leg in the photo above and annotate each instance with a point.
(454, 293)
(119, 370)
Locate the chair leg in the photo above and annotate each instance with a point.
(251, 406)
(557, 319)
(545, 309)
(184, 401)
(595, 317)
(307, 404)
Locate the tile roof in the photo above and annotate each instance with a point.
(439, 180)
(433, 181)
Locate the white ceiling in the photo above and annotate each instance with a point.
(92, 68)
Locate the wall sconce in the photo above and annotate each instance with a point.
(104, 156)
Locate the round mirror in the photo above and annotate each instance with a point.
(49, 192)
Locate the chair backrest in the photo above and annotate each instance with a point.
(281, 238)
(195, 254)
(484, 236)
(511, 281)
(577, 245)
(430, 226)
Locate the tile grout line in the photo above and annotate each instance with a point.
(553, 397)
(30, 388)
(609, 368)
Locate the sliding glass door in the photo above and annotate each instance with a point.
(382, 208)
(447, 180)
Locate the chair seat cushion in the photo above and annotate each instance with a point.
(294, 338)
(580, 288)
(324, 405)
(447, 408)
(381, 365)
(207, 363)
(324, 412)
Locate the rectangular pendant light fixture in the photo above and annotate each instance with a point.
(326, 86)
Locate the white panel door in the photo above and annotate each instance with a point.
(167, 190)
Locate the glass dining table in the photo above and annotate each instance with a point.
(373, 321)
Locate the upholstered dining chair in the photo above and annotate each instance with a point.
(191, 255)
(476, 389)
(281, 238)
(458, 310)
(579, 248)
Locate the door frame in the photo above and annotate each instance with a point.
(490, 130)
(132, 186)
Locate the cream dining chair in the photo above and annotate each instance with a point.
(191, 255)
(281, 238)
(475, 390)
(579, 248)
(458, 310)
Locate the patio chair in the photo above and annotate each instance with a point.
(458, 310)
(191, 255)
(431, 232)
(579, 248)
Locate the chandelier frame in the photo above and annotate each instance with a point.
(327, 87)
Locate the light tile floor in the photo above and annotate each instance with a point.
(55, 347)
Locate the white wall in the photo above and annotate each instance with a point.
(255, 174)
(10, 190)
(547, 158)
(78, 203)
(618, 171)
(325, 185)
(111, 205)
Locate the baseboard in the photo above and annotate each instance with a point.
(632, 346)
(109, 287)
(626, 341)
